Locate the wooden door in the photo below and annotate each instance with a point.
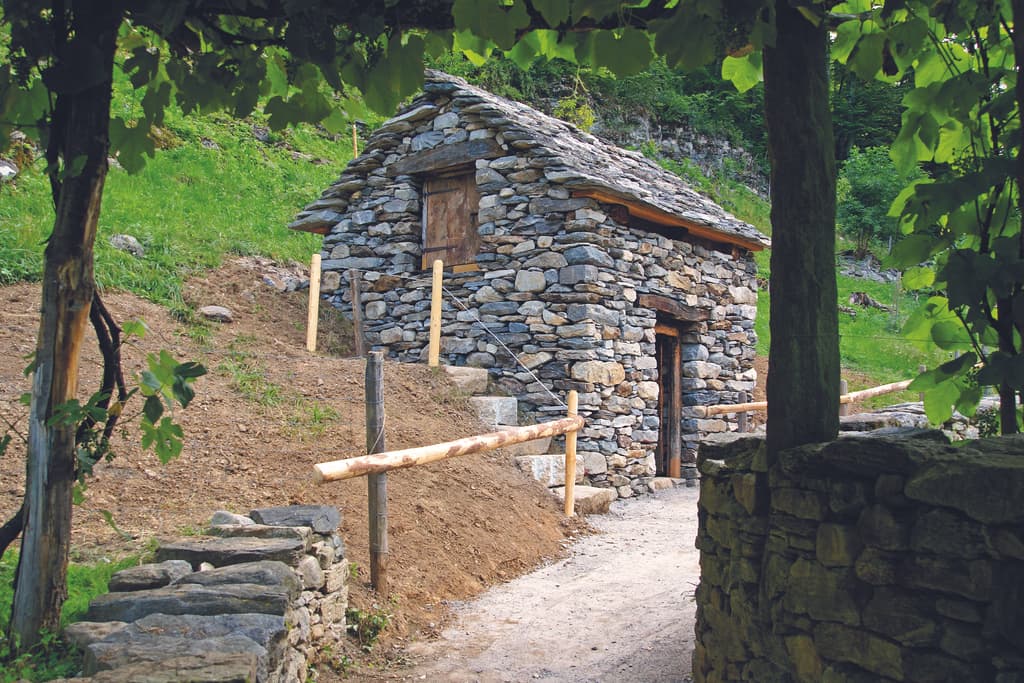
(450, 211)
(670, 410)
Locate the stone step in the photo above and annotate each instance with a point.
(472, 381)
(535, 447)
(232, 550)
(147, 576)
(189, 598)
(265, 573)
(154, 650)
(208, 667)
(548, 469)
(323, 519)
(588, 500)
(496, 410)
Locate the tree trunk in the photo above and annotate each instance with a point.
(1007, 395)
(803, 383)
(80, 130)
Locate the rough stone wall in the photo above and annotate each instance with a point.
(558, 286)
(258, 598)
(866, 559)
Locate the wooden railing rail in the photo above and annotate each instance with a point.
(729, 408)
(377, 463)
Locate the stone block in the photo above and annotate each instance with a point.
(844, 644)
(323, 519)
(589, 500)
(469, 380)
(496, 410)
(189, 599)
(81, 634)
(571, 275)
(225, 517)
(300, 533)
(984, 487)
(336, 577)
(879, 528)
(224, 551)
(798, 503)
(149, 576)
(275, 574)
(530, 281)
(310, 572)
(154, 650)
(608, 373)
(837, 545)
(902, 617)
(822, 594)
(548, 469)
(209, 667)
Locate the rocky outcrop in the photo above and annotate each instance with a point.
(249, 602)
(865, 559)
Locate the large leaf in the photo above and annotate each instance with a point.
(744, 72)
(491, 19)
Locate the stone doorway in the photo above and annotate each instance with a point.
(668, 350)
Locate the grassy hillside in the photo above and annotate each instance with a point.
(217, 186)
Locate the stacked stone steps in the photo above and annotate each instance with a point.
(532, 457)
(248, 601)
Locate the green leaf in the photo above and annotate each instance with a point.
(554, 11)
(131, 144)
(134, 328)
(108, 517)
(913, 249)
(688, 38)
(744, 72)
(593, 9)
(951, 335)
(624, 53)
(77, 494)
(918, 277)
(943, 374)
(153, 408)
(938, 402)
(491, 19)
(25, 399)
(865, 60)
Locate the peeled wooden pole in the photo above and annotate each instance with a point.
(313, 316)
(724, 408)
(357, 313)
(410, 457)
(570, 459)
(376, 484)
(435, 315)
(844, 408)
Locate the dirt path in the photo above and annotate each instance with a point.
(619, 608)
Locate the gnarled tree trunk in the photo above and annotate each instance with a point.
(80, 131)
(803, 385)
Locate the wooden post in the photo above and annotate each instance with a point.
(377, 484)
(844, 388)
(570, 458)
(355, 142)
(313, 316)
(742, 421)
(921, 369)
(357, 312)
(434, 351)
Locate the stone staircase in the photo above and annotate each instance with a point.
(532, 457)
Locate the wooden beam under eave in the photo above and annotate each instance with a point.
(445, 157)
(649, 213)
(673, 308)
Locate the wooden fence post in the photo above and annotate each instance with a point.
(434, 351)
(377, 484)
(742, 419)
(844, 388)
(570, 458)
(357, 312)
(313, 315)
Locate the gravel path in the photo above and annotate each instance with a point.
(620, 608)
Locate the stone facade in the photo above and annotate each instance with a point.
(566, 279)
(866, 559)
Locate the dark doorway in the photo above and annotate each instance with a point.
(670, 414)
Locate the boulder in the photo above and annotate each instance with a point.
(589, 500)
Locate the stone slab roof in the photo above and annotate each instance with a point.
(582, 162)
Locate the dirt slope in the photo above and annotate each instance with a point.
(455, 527)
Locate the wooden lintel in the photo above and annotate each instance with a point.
(445, 157)
(649, 213)
(673, 308)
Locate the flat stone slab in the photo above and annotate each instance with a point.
(81, 634)
(209, 667)
(266, 573)
(154, 650)
(252, 530)
(548, 469)
(189, 598)
(662, 483)
(323, 519)
(470, 380)
(225, 551)
(149, 576)
(535, 447)
(496, 410)
(589, 500)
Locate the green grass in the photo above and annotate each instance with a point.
(53, 658)
(189, 207)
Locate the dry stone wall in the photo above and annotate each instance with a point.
(559, 287)
(256, 599)
(866, 559)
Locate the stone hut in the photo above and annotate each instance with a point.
(597, 269)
